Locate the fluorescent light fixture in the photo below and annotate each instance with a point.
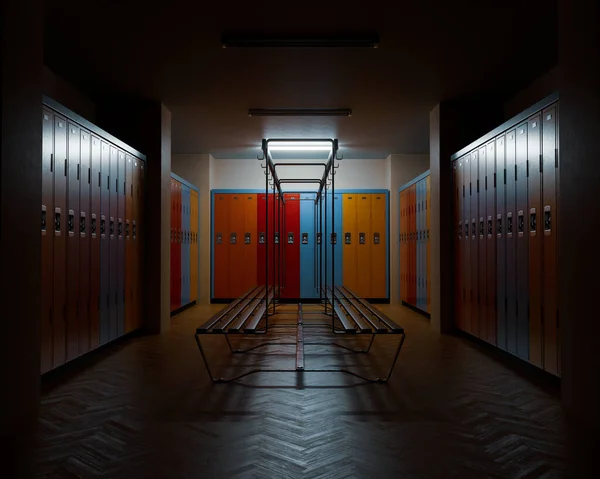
(299, 146)
(300, 112)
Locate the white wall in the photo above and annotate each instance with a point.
(247, 174)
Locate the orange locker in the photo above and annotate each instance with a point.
(250, 238)
(84, 243)
(378, 239)
(349, 227)
(221, 243)
(363, 248)
(534, 191)
(47, 232)
(60, 240)
(490, 240)
(548, 220)
(128, 245)
(237, 261)
(95, 185)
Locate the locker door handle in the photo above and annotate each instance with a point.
(474, 228)
(71, 223)
(102, 225)
(43, 219)
(57, 221)
(521, 223)
(481, 227)
(127, 230)
(499, 226)
(133, 230)
(547, 220)
(82, 225)
(93, 225)
(466, 229)
(111, 227)
(509, 226)
(532, 221)
(490, 227)
(120, 228)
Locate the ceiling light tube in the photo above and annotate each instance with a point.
(300, 112)
(368, 41)
(299, 146)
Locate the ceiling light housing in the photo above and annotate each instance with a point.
(366, 41)
(300, 112)
(299, 146)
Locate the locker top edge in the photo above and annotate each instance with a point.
(185, 182)
(524, 115)
(422, 176)
(71, 115)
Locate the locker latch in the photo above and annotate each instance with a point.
(247, 238)
(490, 227)
(277, 237)
(474, 228)
(466, 229)
(319, 238)
(499, 226)
(233, 238)
(133, 230)
(347, 238)
(290, 237)
(532, 221)
(362, 238)
(509, 226)
(219, 238)
(333, 238)
(521, 223)
(82, 224)
(102, 225)
(111, 227)
(120, 228)
(43, 219)
(71, 223)
(375, 238)
(127, 230)
(481, 227)
(93, 225)
(261, 237)
(304, 238)
(547, 220)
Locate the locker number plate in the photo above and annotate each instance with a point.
(233, 238)
(247, 238)
(304, 238)
(219, 238)
(348, 238)
(362, 239)
(375, 238)
(276, 238)
(319, 238)
(333, 238)
(261, 238)
(290, 238)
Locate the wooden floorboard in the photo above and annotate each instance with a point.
(146, 409)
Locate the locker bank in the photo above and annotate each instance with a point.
(263, 239)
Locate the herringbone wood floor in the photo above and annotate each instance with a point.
(146, 409)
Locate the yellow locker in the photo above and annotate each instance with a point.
(378, 247)
(364, 245)
(350, 241)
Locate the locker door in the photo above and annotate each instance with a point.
(413, 243)
(458, 245)
(467, 244)
(47, 233)
(261, 253)
(128, 244)
(292, 246)
(188, 250)
(73, 172)
(534, 190)
(511, 244)
(548, 222)
(422, 249)
(350, 241)
(278, 242)
(250, 238)
(113, 240)
(183, 260)
(402, 245)
(135, 246)
(221, 246)
(499, 232)
(334, 214)
(308, 249)
(364, 272)
(141, 239)
(178, 243)
(379, 247)
(60, 240)
(419, 190)
(482, 256)
(120, 191)
(173, 257)
(236, 245)
(491, 185)
(428, 244)
(193, 258)
(475, 290)
(522, 307)
(83, 227)
(94, 226)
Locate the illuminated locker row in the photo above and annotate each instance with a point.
(415, 247)
(184, 243)
(92, 236)
(505, 209)
(296, 259)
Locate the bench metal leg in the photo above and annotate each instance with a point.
(364, 351)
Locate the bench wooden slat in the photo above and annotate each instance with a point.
(224, 324)
(224, 312)
(238, 324)
(364, 314)
(300, 342)
(378, 314)
(346, 324)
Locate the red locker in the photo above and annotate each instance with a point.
(482, 250)
(534, 190)
(466, 270)
(490, 234)
(292, 246)
(83, 227)
(550, 189)
(47, 232)
(112, 235)
(60, 240)
(94, 233)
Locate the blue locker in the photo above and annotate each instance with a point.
(308, 247)
(185, 247)
(336, 205)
